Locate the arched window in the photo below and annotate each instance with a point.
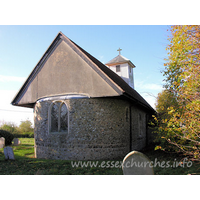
(63, 118)
(54, 117)
(58, 117)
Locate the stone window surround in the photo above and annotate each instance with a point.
(59, 115)
(61, 98)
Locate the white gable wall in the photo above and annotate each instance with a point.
(131, 77)
(124, 73)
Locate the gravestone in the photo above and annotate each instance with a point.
(8, 152)
(16, 142)
(2, 142)
(136, 163)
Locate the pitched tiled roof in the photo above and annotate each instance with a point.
(119, 59)
(113, 79)
(128, 91)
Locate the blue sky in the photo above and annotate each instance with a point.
(21, 47)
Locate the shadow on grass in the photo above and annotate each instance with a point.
(168, 163)
(26, 164)
(31, 166)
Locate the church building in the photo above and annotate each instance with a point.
(122, 67)
(83, 109)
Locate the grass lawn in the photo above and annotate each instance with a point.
(26, 164)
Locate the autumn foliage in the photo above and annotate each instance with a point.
(178, 105)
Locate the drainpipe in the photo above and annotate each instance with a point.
(130, 129)
(147, 141)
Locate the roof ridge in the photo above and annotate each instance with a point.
(115, 81)
(37, 67)
(97, 64)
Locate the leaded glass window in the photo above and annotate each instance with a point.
(63, 118)
(58, 117)
(54, 118)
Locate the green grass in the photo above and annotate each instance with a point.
(26, 164)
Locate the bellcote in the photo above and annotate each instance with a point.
(122, 67)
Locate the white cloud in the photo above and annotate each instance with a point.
(150, 99)
(101, 59)
(152, 86)
(148, 91)
(12, 79)
(10, 113)
(147, 86)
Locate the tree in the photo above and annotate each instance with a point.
(25, 127)
(10, 127)
(182, 76)
(164, 100)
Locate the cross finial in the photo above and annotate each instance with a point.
(119, 51)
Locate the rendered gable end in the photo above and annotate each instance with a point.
(65, 70)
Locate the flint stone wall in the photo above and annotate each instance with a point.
(98, 129)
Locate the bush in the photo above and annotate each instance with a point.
(8, 137)
(10, 127)
(24, 135)
(28, 135)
